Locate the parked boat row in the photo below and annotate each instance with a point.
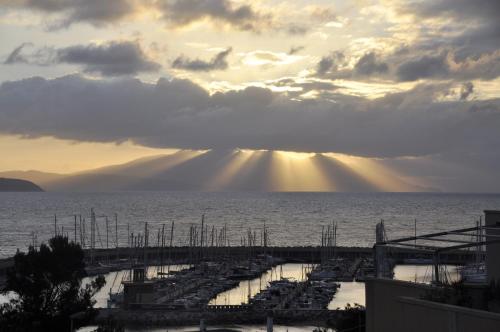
(336, 269)
(196, 286)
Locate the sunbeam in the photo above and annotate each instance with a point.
(291, 171)
(380, 176)
(230, 169)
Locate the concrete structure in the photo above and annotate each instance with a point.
(492, 221)
(419, 315)
(382, 307)
(138, 291)
(394, 306)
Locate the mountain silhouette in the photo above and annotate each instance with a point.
(217, 170)
(7, 184)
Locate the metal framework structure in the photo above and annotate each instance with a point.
(444, 243)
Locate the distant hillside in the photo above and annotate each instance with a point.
(18, 185)
(40, 178)
(222, 170)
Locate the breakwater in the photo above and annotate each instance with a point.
(289, 254)
(310, 254)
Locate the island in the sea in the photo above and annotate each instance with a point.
(18, 185)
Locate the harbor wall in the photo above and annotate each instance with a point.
(290, 254)
(394, 306)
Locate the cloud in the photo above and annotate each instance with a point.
(95, 12)
(466, 49)
(295, 29)
(218, 62)
(298, 88)
(323, 14)
(368, 65)
(113, 58)
(427, 66)
(15, 56)
(180, 114)
(329, 63)
(460, 9)
(334, 66)
(475, 31)
(267, 58)
(466, 90)
(295, 49)
(241, 17)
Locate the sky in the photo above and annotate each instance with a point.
(406, 89)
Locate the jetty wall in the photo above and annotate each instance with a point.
(290, 254)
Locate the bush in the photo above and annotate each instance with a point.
(48, 284)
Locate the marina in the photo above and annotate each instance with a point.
(152, 282)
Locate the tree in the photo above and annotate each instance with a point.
(350, 319)
(48, 284)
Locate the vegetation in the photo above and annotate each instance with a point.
(48, 284)
(350, 319)
(455, 294)
(458, 294)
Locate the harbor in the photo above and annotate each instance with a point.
(153, 283)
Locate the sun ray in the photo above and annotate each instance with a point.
(163, 164)
(379, 175)
(224, 178)
(291, 171)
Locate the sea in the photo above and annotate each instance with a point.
(291, 219)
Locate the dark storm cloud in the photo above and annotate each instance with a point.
(477, 33)
(110, 59)
(329, 63)
(423, 67)
(460, 9)
(466, 49)
(95, 12)
(113, 58)
(242, 17)
(368, 65)
(417, 62)
(16, 56)
(180, 114)
(218, 62)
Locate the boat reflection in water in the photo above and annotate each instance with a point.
(249, 288)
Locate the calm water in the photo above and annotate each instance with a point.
(292, 218)
(239, 294)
